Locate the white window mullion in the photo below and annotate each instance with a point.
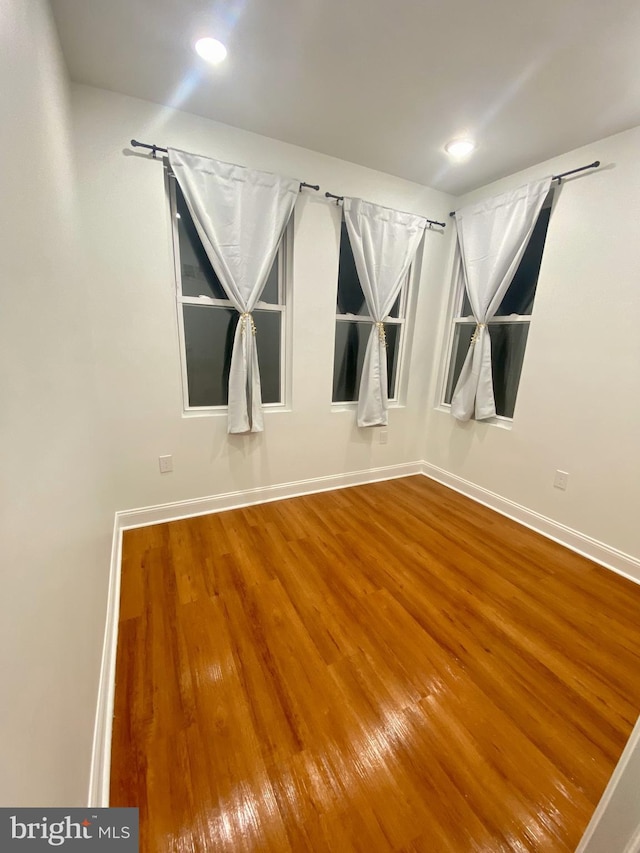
(494, 321)
(205, 301)
(358, 318)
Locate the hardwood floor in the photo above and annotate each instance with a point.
(389, 667)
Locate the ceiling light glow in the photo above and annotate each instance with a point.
(460, 147)
(211, 50)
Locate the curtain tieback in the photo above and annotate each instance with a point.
(382, 336)
(476, 332)
(245, 318)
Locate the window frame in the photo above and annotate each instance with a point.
(284, 298)
(454, 314)
(401, 321)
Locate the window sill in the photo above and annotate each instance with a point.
(352, 406)
(222, 411)
(499, 421)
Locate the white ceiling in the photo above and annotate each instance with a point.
(384, 83)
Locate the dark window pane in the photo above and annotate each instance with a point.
(350, 296)
(270, 292)
(462, 333)
(269, 340)
(508, 342)
(395, 310)
(350, 345)
(198, 277)
(522, 291)
(466, 306)
(392, 331)
(209, 332)
(520, 296)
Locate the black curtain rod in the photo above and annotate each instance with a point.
(559, 177)
(155, 148)
(340, 198)
(562, 175)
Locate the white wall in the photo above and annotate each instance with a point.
(54, 530)
(130, 288)
(578, 407)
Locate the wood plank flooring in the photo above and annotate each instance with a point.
(389, 667)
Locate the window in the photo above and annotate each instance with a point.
(207, 320)
(509, 327)
(353, 326)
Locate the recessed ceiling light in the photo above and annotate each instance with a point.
(460, 147)
(211, 49)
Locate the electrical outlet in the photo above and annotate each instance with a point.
(166, 464)
(383, 435)
(561, 480)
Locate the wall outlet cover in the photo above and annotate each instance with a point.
(561, 480)
(166, 464)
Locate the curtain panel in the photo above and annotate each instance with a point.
(240, 215)
(492, 236)
(384, 243)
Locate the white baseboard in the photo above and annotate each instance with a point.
(101, 755)
(265, 494)
(100, 772)
(605, 555)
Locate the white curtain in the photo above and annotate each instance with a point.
(240, 215)
(492, 236)
(384, 243)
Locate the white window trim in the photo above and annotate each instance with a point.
(396, 401)
(284, 300)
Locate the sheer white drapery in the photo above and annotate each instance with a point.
(492, 236)
(384, 243)
(240, 215)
